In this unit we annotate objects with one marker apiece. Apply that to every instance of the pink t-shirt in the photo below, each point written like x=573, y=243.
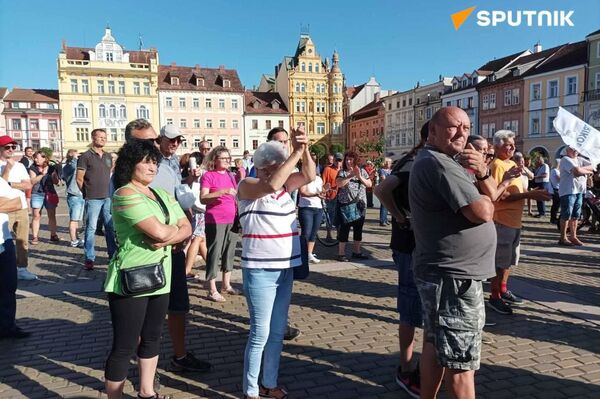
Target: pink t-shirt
x=222, y=210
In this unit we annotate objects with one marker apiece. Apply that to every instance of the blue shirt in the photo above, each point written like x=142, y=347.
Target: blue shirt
x=69, y=172
x=168, y=176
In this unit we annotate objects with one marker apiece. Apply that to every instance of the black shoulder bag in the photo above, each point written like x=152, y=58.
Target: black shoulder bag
x=144, y=279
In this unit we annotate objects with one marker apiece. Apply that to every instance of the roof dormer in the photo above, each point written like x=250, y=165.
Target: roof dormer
x=255, y=104
x=275, y=104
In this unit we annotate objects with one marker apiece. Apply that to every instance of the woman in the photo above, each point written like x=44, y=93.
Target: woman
x=43, y=195
x=384, y=172
x=310, y=213
x=144, y=238
x=270, y=251
x=240, y=171
x=75, y=200
x=217, y=191
x=352, y=183
x=198, y=241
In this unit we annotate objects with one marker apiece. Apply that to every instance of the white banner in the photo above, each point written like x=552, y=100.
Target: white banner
x=579, y=135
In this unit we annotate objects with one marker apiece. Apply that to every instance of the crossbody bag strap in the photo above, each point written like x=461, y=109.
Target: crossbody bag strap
x=164, y=209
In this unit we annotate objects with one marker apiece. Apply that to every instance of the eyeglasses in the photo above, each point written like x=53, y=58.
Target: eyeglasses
x=175, y=140
x=205, y=149
x=10, y=147
x=489, y=156
x=228, y=159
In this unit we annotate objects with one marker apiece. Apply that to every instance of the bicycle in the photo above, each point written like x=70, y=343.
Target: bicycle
x=322, y=236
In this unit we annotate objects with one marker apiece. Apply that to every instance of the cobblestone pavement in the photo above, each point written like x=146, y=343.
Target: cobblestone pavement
x=550, y=347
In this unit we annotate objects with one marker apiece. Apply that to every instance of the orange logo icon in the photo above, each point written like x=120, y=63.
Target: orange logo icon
x=458, y=18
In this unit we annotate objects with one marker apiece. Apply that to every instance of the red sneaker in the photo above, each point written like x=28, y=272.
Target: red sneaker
x=89, y=265
x=410, y=382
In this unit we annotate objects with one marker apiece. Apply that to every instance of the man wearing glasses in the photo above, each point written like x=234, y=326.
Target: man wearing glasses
x=17, y=177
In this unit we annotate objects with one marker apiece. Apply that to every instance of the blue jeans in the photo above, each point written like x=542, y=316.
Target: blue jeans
x=331, y=206
x=8, y=287
x=93, y=207
x=383, y=214
x=409, y=302
x=268, y=293
x=310, y=221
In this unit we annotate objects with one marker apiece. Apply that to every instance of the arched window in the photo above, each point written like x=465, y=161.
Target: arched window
x=143, y=112
x=112, y=111
x=102, y=111
x=317, y=67
x=303, y=67
x=81, y=111
x=297, y=87
x=123, y=112
x=310, y=67
x=302, y=87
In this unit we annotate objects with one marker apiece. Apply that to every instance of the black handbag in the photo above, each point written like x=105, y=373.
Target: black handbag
x=236, y=227
x=143, y=279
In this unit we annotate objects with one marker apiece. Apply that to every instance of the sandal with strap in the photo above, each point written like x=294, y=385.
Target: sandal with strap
x=216, y=297
x=230, y=290
x=275, y=393
x=156, y=396
x=35, y=241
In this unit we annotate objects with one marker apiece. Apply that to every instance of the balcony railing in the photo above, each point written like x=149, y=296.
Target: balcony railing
x=592, y=95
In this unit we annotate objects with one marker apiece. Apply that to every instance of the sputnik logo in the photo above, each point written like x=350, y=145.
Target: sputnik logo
x=459, y=18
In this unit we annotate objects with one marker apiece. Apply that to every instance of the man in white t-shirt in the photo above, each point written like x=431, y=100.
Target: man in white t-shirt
x=541, y=180
x=10, y=201
x=15, y=174
x=573, y=176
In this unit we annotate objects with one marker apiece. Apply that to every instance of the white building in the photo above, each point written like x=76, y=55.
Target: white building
x=399, y=123
x=263, y=112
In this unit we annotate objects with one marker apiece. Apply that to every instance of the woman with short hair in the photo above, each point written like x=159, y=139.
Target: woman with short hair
x=43, y=195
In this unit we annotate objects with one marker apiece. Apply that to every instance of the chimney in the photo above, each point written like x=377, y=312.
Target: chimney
x=197, y=66
x=537, y=48
x=173, y=64
x=221, y=68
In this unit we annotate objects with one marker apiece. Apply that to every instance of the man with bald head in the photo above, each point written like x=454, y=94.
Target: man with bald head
x=455, y=241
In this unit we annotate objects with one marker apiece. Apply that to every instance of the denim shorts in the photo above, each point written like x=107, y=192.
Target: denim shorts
x=409, y=302
x=38, y=201
x=508, y=246
x=454, y=316
x=76, y=206
x=179, y=299
x=570, y=206
x=199, y=225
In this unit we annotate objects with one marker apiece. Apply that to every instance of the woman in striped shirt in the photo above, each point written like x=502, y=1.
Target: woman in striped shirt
x=270, y=249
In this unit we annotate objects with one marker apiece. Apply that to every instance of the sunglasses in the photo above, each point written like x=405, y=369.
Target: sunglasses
x=10, y=147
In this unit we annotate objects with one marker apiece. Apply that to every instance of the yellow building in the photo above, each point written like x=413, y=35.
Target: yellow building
x=312, y=91
x=105, y=87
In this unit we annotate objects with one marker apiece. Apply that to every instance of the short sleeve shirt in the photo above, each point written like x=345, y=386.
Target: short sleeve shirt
x=355, y=189
x=508, y=213
x=447, y=243
x=17, y=174
x=97, y=168
x=45, y=185
x=127, y=211
x=222, y=210
x=168, y=175
x=68, y=174
x=544, y=169
x=569, y=183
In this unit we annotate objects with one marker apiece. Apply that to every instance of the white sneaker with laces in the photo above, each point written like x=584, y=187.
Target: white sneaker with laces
x=24, y=274
x=313, y=259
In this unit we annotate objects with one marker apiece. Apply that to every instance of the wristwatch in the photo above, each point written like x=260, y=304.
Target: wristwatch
x=487, y=175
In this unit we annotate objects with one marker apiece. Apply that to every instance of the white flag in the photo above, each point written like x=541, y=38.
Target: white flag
x=578, y=135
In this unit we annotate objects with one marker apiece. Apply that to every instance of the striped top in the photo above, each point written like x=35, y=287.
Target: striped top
x=270, y=238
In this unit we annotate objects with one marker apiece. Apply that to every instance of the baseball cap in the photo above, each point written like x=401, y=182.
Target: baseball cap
x=339, y=156
x=5, y=140
x=170, y=131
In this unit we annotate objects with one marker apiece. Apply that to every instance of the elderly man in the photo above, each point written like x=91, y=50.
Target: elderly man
x=541, y=180
x=508, y=215
x=455, y=241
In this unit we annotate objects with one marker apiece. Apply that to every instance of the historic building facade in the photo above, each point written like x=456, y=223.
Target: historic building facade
x=263, y=112
x=204, y=103
x=105, y=87
x=592, y=90
x=463, y=94
x=365, y=129
x=399, y=123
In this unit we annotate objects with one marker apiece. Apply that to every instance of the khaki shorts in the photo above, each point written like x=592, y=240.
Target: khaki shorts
x=508, y=247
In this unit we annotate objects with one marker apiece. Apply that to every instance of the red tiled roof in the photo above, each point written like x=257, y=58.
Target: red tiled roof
x=213, y=79
x=568, y=55
x=368, y=110
x=3, y=91
x=264, y=103
x=33, y=95
x=82, y=54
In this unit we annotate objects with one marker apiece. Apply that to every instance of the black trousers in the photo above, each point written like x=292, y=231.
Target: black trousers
x=555, y=206
x=357, y=230
x=137, y=323
x=8, y=287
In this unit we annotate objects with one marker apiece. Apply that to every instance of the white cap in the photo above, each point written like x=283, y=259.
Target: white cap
x=170, y=131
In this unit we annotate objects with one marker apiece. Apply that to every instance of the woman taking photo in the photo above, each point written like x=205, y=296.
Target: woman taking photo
x=147, y=223
x=43, y=195
x=310, y=213
x=217, y=191
x=352, y=183
x=270, y=251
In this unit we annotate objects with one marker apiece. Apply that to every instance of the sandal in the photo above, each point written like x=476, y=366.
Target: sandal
x=275, y=393
x=216, y=297
x=34, y=241
x=565, y=243
x=54, y=237
x=230, y=290
x=156, y=396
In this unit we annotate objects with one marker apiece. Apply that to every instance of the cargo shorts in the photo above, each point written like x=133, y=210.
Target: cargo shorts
x=454, y=316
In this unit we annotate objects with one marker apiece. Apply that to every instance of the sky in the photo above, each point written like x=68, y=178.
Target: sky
x=399, y=42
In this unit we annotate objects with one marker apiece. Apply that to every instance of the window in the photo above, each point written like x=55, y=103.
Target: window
x=507, y=97
x=195, y=103
x=182, y=102
x=459, y=103
x=297, y=87
x=235, y=124
x=317, y=67
x=196, y=123
x=303, y=67
x=223, y=142
x=226, y=83
x=310, y=67
x=112, y=111
x=168, y=102
x=136, y=88
x=111, y=87
x=409, y=102
x=320, y=128
x=221, y=103
x=122, y=112
x=302, y=87
x=82, y=134
x=100, y=87
x=16, y=124
x=209, y=124
x=550, y=125
x=74, y=85
x=81, y=112
x=121, y=87
x=536, y=91
x=109, y=57
x=571, y=85
x=184, y=143
x=254, y=144
x=143, y=112
x=515, y=96
x=85, y=86
x=429, y=113
x=53, y=125
x=208, y=103
x=234, y=104
x=268, y=124
x=492, y=101
x=515, y=126
x=492, y=129
x=485, y=128
x=485, y=102
x=146, y=88
x=209, y=141
x=102, y=111
x=254, y=124
x=183, y=123
x=506, y=125
x=222, y=124
x=553, y=88
x=470, y=102
x=34, y=124
x=236, y=143
x=169, y=121
x=280, y=123
x=302, y=106
x=114, y=135
x=598, y=81
x=535, y=126
x=197, y=142
x=174, y=80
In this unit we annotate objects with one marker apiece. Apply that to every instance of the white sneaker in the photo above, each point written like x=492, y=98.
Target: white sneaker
x=24, y=274
x=313, y=259
x=74, y=243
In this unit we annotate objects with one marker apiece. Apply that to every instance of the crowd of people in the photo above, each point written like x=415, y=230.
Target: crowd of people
x=456, y=203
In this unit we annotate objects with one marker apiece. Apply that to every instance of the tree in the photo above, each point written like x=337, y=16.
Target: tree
x=318, y=149
x=335, y=148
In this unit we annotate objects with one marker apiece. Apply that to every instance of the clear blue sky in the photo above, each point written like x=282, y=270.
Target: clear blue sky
x=399, y=42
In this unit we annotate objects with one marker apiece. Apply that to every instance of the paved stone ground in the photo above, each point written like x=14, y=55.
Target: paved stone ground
x=550, y=348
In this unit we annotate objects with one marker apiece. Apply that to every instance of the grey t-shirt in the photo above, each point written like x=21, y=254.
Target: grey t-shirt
x=354, y=189
x=168, y=176
x=447, y=243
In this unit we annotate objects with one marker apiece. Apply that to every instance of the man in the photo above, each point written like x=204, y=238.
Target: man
x=553, y=189
x=248, y=164
x=329, y=180
x=371, y=171
x=541, y=180
x=11, y=200
x=75, y=200
x=330, y=160
x=167, y=178
x=508, y=215
x=15, y=174
x=93, y=179
x=27, y=158
x=573, y=180
x=455, y=241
